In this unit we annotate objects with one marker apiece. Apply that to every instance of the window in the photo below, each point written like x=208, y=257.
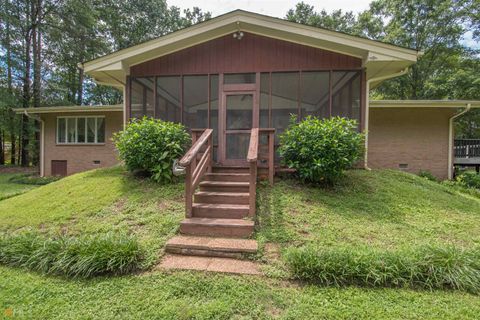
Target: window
x=315, y=96
x=346, y=94
x=168, y=99
x=195, y=101
x=79, y=130
x=142, y=97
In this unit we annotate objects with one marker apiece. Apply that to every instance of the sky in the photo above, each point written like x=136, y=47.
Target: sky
x=268, y=7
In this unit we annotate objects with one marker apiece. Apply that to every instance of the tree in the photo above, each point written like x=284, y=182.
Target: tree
x=446, y=70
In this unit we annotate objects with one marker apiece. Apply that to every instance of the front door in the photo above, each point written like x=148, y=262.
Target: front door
x=239, y=114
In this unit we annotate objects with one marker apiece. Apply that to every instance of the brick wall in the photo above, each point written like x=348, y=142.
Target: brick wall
x=81, y=157
x=416, y=137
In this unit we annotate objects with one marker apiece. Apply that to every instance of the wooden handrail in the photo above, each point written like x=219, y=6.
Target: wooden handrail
x=195, y=171
x=253, y=147
x=193, y=151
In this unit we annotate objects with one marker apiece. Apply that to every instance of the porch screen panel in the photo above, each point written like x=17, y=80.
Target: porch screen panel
x=315, y=94
x=142, y=102
x=284, y=97
x=214, y=112
x=346, y=89
x=264, y=100
x=168, y=106
x=195, y=102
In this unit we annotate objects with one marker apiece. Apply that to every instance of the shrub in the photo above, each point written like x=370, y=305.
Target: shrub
x=427, y=175
x=424, y=267
x=469, y=179
x=321, y=149
x=33, y=179
x=85, y=256
x=150, y=146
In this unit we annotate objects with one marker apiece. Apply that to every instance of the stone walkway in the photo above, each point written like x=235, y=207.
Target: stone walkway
x=212, y=264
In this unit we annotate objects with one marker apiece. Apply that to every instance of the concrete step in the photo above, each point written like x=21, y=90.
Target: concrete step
x=224, y=186
x=211, y=247
x=233, y=228
x=210, y=264
x=225, y=211
x=221, y=197
x=230, y=177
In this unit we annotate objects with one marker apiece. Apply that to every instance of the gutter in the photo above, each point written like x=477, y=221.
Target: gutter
x=42, y=142
x=367, y=108
x=450, y=138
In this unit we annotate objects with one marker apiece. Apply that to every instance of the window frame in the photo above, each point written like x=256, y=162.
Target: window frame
x=66, y=142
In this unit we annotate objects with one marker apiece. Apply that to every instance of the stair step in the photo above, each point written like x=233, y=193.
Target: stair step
x=211, y=247
x=227, y=211
x=217, y=227
x=209, y=264
x=219, y=186
x=221, y=197
x=230, y=177
x=231, y=169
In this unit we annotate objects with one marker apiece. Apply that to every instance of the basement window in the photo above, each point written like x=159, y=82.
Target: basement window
x=403, y=166
x=81, y=130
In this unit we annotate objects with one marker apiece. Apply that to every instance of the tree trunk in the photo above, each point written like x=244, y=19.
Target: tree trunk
x=80, y=87
x=26, y=91
x=13, y=151
x=2, y=147
x=37, y=48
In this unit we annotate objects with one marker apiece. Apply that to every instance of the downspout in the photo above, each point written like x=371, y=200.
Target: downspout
x=367, y=107
x=42, y=142
x=450, y=138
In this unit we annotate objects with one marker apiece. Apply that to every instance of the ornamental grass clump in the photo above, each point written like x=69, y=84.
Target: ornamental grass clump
x=77, y=257
x=320, y=150
x=150, y=146
x=425, y=267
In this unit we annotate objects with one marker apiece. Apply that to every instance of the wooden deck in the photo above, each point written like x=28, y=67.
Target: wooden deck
x=467, y=153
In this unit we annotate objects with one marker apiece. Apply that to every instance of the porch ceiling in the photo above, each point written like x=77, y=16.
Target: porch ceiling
x=379, y=59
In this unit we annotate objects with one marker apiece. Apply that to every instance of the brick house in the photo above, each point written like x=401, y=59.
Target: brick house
x=242, y=71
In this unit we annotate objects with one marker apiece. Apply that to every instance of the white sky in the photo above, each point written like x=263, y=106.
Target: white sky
x=268, y=7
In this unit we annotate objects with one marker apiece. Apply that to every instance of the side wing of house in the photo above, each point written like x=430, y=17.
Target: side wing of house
x=414, y=136
x=76, y=139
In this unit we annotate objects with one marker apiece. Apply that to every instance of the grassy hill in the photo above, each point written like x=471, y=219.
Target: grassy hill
x=379, y=209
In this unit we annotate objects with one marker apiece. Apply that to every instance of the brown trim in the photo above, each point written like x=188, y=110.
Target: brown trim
x=299, y=96
x=209, y=85
x=181, y=98
x=155, y=97
x=269, y=99
x=330, y=95
x=363, y=100
x=239, y=87
x=128, y=103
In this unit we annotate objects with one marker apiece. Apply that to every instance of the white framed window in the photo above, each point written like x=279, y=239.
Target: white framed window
x=81, y=130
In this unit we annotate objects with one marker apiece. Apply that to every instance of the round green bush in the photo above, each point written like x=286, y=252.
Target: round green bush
x=321, y=149
x=150, y=146
x=469, y=179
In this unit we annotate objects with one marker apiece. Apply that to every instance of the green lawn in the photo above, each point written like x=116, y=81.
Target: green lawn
x=9, y=189
x=383, y=209
x=184, y=295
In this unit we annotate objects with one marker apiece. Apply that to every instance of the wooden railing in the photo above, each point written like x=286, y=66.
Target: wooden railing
x=252, y=159
x=195, y=168
x=267, y=151
x=254, y=156
x=467, y=148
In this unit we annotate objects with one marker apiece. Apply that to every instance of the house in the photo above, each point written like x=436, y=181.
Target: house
x=241, y=71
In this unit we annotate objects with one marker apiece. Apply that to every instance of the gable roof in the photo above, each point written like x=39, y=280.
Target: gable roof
x=379, y=59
